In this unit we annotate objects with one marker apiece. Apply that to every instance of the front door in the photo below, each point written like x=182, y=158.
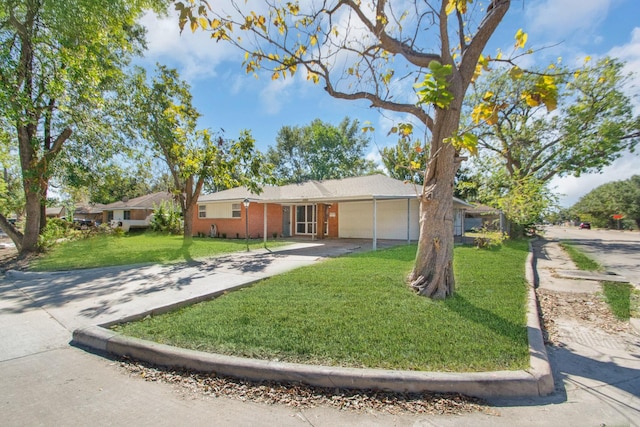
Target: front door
x=286, y=221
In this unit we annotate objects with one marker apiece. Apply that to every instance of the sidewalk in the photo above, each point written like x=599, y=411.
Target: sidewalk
x=44, y=381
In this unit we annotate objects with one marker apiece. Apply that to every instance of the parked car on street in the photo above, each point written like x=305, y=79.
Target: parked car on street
x=586, y=225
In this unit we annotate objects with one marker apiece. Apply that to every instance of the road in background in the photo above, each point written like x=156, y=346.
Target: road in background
x=617, y=251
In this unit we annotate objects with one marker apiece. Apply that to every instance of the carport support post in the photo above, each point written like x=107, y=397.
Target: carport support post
x=408, y=221
x=375, y=224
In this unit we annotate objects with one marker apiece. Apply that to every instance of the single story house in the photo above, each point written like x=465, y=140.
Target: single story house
x=479, y=216
x=88, y=212
x=370, y=207
x=55, y=212
x=134, y=213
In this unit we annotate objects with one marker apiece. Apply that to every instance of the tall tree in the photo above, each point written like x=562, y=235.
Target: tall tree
x=370, y=50
x=320, y=151
x=613, y=198
x=592, y=126
x=163, y=114
x=59, y=58
x=522, y=146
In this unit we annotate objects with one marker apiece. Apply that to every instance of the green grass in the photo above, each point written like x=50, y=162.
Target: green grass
x=357, y=311
x=102, y=251
x=618, y=296
x=582, y=261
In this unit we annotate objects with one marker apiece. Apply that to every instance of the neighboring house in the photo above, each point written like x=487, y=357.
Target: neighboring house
x=371, y=207
x=89, y=212
x=484, y=217
x=134, y=213
x=56, y=212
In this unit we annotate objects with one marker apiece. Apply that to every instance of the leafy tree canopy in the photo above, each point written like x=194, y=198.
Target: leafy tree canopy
x=524, y=143
x=613, y=198
x=591, y=127
x=320, y=151
x=61, y=62
x=165, y=120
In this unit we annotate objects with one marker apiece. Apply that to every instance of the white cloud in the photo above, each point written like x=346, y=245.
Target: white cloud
x=195, y=54
x=564, y=17
x=276, y=94
x=630, y=54
x=570, y=188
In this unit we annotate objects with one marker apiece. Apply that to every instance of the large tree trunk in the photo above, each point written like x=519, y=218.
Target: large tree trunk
x=432, y=275
x=188, y=222
x=31, y=184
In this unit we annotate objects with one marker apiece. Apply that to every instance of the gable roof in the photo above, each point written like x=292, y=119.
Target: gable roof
x=347, y=189
x=89, y=208
x=147, y=201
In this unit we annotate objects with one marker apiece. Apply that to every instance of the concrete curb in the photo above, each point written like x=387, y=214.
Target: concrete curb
x=536, y=381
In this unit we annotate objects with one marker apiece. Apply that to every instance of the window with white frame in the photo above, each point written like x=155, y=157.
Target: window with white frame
x=202, y=211
x=235, y=210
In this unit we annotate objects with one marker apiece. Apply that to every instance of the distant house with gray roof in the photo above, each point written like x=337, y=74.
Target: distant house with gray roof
x=370, y=207
x=134, y=213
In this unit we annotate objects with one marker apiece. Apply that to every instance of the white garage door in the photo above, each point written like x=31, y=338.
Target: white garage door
x=356, y=220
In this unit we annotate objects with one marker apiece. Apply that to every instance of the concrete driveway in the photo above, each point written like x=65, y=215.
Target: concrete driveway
x=44, y=381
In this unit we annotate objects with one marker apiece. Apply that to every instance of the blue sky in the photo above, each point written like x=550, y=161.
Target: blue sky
x=230, y=99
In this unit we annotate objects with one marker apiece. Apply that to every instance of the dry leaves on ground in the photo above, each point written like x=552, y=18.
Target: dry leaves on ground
x=588, y=309
x=303, y=396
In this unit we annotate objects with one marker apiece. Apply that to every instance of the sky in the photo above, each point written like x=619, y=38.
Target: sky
x=232, y=100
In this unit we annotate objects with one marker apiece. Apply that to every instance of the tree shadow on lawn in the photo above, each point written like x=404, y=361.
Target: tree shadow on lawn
x=460, y=305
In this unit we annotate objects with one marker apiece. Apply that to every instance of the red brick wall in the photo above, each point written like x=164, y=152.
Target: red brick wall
x=233, y=227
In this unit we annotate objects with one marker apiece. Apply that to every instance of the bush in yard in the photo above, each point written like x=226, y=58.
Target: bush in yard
x=166, y=218
x=56, y=229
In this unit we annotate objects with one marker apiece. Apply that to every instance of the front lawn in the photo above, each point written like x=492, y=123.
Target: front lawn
x=358, y=311
x=103, y=251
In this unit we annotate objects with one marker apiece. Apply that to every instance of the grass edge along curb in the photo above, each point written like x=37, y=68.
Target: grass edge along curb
x=537, y=380
x=586, y=263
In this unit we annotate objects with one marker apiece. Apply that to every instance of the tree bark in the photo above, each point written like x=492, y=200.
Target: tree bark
x=432, y=275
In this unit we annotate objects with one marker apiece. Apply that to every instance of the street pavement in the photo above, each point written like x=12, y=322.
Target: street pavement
x=45, y=381
x=618, y=251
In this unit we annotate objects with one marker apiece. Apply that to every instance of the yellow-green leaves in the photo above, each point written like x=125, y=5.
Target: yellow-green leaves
x=521, y=39
x=367, y=127
x=545, y=92
x=460, y=5
x=485, y=112
x=404, y=130
x=466, y=141
x=434, y=89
